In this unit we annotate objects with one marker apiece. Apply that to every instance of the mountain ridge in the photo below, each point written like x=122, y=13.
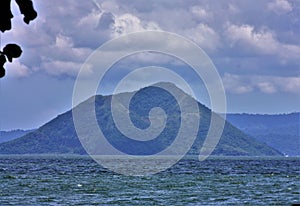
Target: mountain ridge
x=59, y=136
x=6, y=136
x=280, y=131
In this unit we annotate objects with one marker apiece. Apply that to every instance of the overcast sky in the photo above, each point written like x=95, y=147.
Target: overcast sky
x=255, y=46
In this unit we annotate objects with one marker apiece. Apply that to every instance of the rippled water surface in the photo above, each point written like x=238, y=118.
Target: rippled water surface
x=49, y=180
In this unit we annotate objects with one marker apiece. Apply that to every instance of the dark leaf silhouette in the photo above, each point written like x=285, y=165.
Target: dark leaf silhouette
x=2, y=62
x=5, y=15
x=2, y=72
x=12, y=51
x=26, y=8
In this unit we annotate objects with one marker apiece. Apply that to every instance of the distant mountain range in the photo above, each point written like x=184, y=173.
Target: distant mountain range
x=6, y=136
x=281, y=131
x=59, y=136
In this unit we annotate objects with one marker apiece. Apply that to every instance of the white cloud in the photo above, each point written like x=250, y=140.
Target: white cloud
x=33, y=36
x=280, y=6
x=234, y=84
x=16, y=69
x=200, y=12
x=262, y=38
x=128, y=23
x=90, y=21
x=267, y=87
x=239, y=84
x=63, y=41
x=64, y=49
x=263, y=41
x=204, y=35
x=291, y=84
x=70, y=35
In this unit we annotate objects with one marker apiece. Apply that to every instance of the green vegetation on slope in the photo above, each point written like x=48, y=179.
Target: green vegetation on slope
x=59, y=135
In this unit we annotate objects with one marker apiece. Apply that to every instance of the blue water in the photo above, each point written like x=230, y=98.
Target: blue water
x=75, y=180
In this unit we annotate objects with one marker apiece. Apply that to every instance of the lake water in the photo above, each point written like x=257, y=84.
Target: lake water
x=73, y=180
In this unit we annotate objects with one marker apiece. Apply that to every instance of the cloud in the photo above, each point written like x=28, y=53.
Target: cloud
x=204, y=36
x=52, y=39
x=267, y=87
x=261, y=41
x=16, y=69
x=70, y=35
x=234, y=84
x=111, y=6
x=240, y=84
x=128, y=23
x=254, y=45
x=62, y=57
x=63, y=41
x=200, y=13
x=106, y=21
x=280, y=6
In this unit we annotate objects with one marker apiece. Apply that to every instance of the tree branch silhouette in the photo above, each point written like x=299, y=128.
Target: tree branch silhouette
x=11, y=51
